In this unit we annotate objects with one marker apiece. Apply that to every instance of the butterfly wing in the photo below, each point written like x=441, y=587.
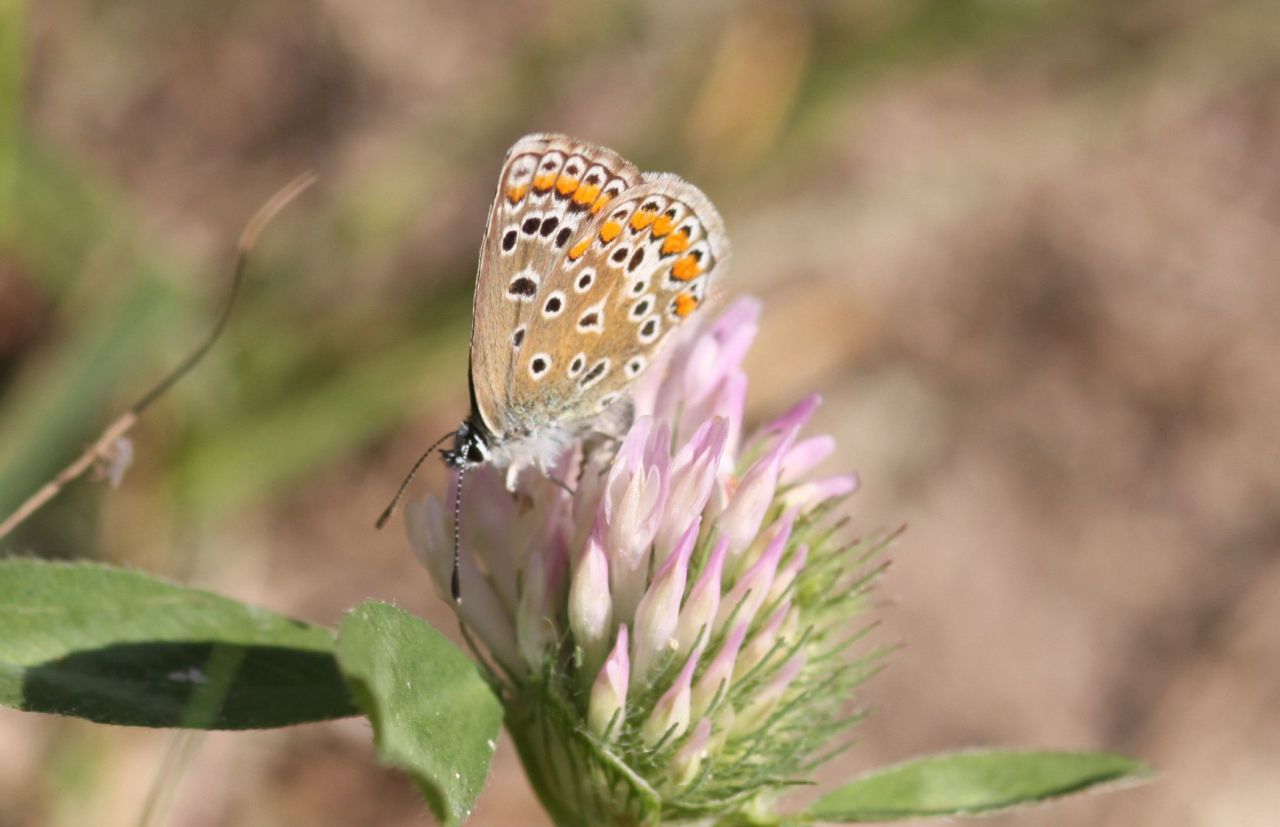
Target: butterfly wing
x=550, y=189
x=631, y=276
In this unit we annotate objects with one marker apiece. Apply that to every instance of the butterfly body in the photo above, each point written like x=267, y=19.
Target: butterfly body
x=586, y=268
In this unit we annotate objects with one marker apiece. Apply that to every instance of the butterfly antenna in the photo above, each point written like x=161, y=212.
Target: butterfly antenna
x=404, y=486
x=455, y=586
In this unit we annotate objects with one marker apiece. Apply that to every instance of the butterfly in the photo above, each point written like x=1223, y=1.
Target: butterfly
x=587, y=267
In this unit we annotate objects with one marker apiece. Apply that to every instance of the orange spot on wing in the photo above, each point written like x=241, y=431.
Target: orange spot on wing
x=676, y=243
x=610, y=231
x=686, y=303
x=600, y=202
x=564, y=186
x=686, y=268
x=515, y=194
x=642, y=219
x=662, y=226
x=586, y=194
x=579, y=249
x=543, y=182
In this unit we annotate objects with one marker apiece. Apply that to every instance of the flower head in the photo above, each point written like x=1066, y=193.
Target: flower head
x=668, y=621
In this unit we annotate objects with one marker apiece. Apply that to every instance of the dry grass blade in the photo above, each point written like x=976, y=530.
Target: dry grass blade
x=103, y=447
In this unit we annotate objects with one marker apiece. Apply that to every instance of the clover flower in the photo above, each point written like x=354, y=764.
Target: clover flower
x=668, y=624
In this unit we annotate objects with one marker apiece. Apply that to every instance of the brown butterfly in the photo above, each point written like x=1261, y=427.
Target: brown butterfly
x=586, y=268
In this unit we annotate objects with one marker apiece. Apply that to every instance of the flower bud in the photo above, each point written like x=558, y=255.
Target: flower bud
x=765, y=640
x=700, y=606
x=787, y=574
x=658, y=614
x=431, y=542
x=766, y=699
x=608, y=701
x=693, y=474
x=688, y=760
x=590, y=605
x=671, y=713
x=804, y=456
x=628, y=517
x=751, y=590
x=742, y=517
x=719, y=674
x=812, y=493
x=533, y=630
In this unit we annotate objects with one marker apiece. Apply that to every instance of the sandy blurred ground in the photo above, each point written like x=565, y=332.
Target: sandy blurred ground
x=1027, y=251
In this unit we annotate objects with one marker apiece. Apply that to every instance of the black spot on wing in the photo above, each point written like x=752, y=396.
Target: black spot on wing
x=523, y=286
x=597, y=370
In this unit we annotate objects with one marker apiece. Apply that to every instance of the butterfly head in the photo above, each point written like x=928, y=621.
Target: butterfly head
x=470, y=446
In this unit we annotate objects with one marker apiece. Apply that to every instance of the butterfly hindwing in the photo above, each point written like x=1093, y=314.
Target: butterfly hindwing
x=623, y=283
x=550, y=189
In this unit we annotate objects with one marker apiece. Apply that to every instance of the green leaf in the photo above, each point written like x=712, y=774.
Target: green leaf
x=971, y=782
x=121, y=647
x=433, y=714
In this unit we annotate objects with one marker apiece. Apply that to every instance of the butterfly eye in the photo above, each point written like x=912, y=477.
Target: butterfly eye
x=509, y=240
x=585, y=280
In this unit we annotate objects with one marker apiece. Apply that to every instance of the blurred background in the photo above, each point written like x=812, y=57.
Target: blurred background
x=1027, y=250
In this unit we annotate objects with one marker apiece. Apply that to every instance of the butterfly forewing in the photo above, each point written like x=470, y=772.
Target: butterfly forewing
x=623, y=283
x=551, y=188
